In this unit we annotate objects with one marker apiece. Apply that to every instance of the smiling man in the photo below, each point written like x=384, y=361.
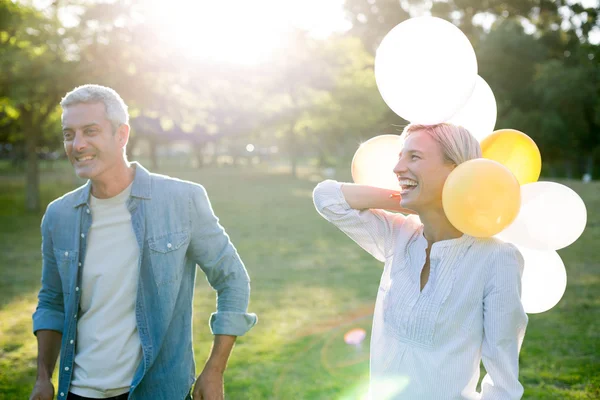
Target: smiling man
x=118, y=273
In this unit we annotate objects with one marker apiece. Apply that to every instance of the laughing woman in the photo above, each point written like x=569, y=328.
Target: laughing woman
x=446, y=301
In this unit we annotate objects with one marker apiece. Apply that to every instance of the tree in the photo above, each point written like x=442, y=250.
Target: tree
x=297, y=78
x=36, y=73
x=352, y=110
x=569, y=97
x=373, y=19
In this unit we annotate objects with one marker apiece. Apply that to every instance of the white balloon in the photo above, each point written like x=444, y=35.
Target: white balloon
x=539, y=224
x=479, y=114
x=425, y=69
x=544, y=280
x=374, y=161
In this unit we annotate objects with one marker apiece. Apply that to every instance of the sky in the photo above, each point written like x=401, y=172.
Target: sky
x=248, y=32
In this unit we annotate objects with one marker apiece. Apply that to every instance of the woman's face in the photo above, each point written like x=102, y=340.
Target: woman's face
x=421, y=171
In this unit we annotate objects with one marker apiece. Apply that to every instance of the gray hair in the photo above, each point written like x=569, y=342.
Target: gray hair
x=116, y=109
x=456, y=142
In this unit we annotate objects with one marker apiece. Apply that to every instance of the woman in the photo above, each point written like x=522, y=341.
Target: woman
x=446, y=300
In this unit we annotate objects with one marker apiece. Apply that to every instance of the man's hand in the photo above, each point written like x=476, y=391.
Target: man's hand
x=43, y=390
x=209, y=385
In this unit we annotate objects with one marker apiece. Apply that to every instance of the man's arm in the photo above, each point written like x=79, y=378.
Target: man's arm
x=209, y=385
x=48, y=350
x=219, y=354
x=212, y=250
x=48, y=318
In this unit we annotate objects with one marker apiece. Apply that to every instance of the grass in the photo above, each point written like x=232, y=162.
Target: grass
x=310, y=285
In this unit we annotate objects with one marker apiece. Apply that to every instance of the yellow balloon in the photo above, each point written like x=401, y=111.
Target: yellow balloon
x=481, y=197
x=516, y=151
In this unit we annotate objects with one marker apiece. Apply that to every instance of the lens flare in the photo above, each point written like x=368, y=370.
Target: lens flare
x=355, y=336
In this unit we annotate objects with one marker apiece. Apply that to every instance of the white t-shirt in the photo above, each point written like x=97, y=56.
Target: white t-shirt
x=429, y=344
x=108, y=349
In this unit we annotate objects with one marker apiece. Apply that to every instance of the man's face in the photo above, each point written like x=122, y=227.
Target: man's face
x=90, y=143
x=422, y=172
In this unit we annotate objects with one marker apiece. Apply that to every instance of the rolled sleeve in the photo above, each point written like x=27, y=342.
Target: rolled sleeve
x=505, y=322
x=49, y=313
x=231, y=323
x=212, y=250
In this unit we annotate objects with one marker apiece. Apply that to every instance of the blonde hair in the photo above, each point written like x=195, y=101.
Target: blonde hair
x=456, y=142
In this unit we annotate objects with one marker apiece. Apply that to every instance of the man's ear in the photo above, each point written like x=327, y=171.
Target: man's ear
x=123, y=134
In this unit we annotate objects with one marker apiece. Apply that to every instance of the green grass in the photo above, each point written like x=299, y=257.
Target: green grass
x=310, y=285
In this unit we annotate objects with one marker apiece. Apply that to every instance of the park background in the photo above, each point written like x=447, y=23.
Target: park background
x=260, y=100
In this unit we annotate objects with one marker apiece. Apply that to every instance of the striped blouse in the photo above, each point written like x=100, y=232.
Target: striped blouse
x=429, y=344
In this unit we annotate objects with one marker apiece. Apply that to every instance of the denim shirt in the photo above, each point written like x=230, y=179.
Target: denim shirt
x=176, y=230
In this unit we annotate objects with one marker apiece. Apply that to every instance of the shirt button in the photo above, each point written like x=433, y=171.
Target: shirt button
x=77, y=289
x=80, y=264
x=62, y=394
x=75, y=316
x=87, y=211
x=66, y=368
x=71, y=341
x=82, y=235
x=169, y=245
x=66, y=253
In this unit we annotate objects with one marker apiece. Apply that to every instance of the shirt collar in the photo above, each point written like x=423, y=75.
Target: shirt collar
x=141, y=187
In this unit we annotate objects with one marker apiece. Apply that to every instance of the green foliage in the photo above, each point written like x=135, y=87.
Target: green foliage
x=314, y=96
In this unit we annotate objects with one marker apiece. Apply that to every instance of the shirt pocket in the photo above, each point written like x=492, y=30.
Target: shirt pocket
x=167, y=256
x=66, y=264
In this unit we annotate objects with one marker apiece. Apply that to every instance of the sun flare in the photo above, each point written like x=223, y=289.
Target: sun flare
x=238, y=31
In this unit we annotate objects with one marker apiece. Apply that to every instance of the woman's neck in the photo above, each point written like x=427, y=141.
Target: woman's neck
x=436, y=226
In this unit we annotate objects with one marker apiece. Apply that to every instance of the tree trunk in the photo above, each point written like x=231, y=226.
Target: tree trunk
x=199, y=153
x=293, y=151
x=569, y=168
x=589, y=168
x=32, y=185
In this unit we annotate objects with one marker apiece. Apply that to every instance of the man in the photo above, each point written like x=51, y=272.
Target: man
x=119, y=266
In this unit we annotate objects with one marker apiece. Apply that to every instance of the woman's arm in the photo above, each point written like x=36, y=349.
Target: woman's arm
x=362, y=197
x=371, y=229
x=504, y=323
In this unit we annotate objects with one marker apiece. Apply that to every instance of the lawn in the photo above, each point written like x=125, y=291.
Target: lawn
x=310, y=285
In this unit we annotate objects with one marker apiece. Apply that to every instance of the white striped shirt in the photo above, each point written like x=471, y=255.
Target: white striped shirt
x=429, y=344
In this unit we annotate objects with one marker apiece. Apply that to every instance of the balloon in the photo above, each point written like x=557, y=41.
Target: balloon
x=478, y=115
x=425, y=69
x=544, y=280
x=539, y=225
x=481, y=197
x=516, y=151
x=374, y=161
